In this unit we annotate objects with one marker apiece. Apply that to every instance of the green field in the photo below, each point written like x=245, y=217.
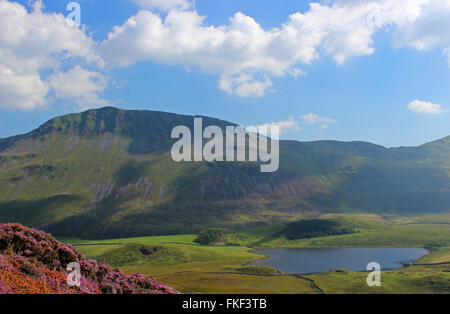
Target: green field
x=191, y=268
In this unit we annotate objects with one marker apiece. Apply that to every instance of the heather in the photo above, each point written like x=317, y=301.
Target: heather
x=32, y=261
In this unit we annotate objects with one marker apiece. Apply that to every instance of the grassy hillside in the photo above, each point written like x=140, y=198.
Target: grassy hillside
x=108, y=173
x=191, y=268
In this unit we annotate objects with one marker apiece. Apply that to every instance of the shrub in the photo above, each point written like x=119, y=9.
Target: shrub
x=315, y=228
x=32, y=261
x=212, y=236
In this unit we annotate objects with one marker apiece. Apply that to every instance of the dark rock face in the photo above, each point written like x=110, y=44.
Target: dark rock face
x=108, y=173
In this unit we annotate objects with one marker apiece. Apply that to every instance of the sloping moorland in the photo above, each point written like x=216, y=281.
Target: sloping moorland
x=193, y=268
x=108, y=173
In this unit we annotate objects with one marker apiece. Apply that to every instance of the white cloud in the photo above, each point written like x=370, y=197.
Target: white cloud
x=296, y=73
x=183, y=38
x=243, y=54
x=420, y=24
x=164, y=5
x=283, y=126
x=293, y=124
x=447, y=53
x=429, y=30
x=340, y=29
x=21, y=91
x=36, y=37
x=80, y=86
x=425, y=107
x=243, y=46
x=245, y=85
x=312, y=118
x=32, y=43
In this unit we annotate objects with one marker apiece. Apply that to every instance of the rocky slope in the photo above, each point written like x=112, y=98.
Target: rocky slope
x=108, y=173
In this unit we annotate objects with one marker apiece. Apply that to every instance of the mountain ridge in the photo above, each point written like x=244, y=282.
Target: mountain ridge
x=108, y=172
x=47, y=125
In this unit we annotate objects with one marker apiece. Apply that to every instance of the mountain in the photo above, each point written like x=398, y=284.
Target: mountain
x=108, y=173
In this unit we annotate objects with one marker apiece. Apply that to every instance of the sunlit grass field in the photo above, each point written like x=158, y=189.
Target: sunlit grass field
x=191, y=268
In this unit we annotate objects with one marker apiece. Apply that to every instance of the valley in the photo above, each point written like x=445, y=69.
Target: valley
x=108, y=173
x=104, y=181
x=191, y=268
x=190, y=148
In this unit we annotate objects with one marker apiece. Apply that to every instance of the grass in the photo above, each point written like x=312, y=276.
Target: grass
x=409, y=280
x=441, y=256
x=196, y=269
x=255, y=270
x=373, y=231
x=386, y=237
x=202, y=283
x=191, y=268
x=172, y=258
x=419, y=278
x=183, y=239
x=87, y=175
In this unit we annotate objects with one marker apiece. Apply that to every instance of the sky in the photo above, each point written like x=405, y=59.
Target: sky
x=348, y=70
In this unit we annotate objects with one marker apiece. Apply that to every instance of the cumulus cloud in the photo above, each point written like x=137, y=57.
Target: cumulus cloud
x=430, y=29
x=242, y=54
x=32, y=43
x=245, y=85
x=297, y=73
x=24, y=91
x=312, y=118
x=426, y=107
x=283, y=126
x=36, y=37
x=342, y=29
x=164, y=5
x=79, y=86
x=293, y=123
x=243, y=46
x=420, y=24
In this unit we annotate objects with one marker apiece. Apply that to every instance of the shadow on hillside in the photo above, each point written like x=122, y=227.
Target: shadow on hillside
x=33, y=212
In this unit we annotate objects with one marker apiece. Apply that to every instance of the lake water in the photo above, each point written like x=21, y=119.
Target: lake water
x=311, y=261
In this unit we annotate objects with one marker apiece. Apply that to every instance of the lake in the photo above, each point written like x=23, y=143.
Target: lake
x=311, y=261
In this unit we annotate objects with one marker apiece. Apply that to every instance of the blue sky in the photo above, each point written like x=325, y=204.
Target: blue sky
x=385, y=82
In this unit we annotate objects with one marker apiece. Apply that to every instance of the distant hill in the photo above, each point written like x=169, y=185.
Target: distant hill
x=108, y=173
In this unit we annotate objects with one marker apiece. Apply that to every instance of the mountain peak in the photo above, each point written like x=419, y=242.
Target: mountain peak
x=112, y=168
